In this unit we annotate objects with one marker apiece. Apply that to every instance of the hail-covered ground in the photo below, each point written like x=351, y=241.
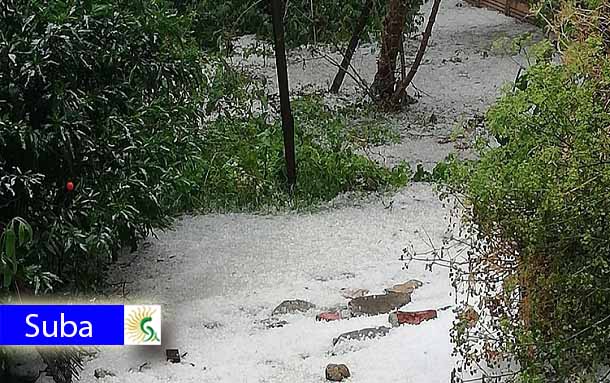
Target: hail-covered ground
x=219, y=277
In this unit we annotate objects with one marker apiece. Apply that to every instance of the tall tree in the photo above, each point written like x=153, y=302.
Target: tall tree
x=391, y=39
x=388, y=90
x=282, y=79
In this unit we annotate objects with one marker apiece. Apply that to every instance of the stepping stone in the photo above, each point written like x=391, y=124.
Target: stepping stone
x=405, y=288
x=367, y=333
x=353, y=293
x=378, y=304
x=293, y=306
x=414, y=317
x=337, y=372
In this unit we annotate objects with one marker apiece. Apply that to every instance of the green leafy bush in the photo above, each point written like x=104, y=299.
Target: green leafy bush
x=546, y=11
x=215, y=24
x=538, y=216
x=115, y=100
x=111, y=123
x=105, y=95
x=242, y=164
x=15, y=242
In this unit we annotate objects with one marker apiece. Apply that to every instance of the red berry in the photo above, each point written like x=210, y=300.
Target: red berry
x=69, y=186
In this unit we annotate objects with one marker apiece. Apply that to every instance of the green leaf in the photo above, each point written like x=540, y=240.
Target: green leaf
x=10, y=247
x=25, y=233
x=8, y=277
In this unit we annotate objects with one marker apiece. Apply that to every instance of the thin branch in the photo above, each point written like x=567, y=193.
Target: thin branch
x=356, y=77
x=313, y=17
x=420, y=52
x=353, y=44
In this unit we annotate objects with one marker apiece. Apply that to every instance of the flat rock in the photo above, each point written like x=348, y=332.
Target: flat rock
x=378, y=304
x=353, y=293
x=337, y=372
x=367, y=333
x=405, y=288
x=293, y=306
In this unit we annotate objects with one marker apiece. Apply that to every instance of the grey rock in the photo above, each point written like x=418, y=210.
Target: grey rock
x=273, y=323
x=293, y=306
x=367, y=333
x=212, y=325
x=378, y=304
x=347, y=275
x=101, y=373
x=337, y=372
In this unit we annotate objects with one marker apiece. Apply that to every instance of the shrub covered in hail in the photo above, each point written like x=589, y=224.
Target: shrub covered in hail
x=112, y=122
x=539, y=211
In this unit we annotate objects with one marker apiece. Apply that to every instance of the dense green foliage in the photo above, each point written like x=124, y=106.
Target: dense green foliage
x=547, y=10
x=241, y=165
x=113, y=121
x=539, y=211
x=116, y=99
x=216, y=23
x=104, y=95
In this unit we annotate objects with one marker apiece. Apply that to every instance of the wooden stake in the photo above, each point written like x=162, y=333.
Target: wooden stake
x=282, y=79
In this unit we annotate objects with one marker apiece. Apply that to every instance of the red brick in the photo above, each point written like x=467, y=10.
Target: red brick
x=414, y=317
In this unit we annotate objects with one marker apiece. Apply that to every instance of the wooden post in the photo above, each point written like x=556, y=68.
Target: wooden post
x=282, y=79
x=351, y=48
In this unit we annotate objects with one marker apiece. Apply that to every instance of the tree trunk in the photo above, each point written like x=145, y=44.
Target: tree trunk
x=282, y=79
x=393, y=26
x=347, y=58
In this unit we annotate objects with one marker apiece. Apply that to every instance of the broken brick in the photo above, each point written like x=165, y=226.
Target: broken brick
x=414, y=317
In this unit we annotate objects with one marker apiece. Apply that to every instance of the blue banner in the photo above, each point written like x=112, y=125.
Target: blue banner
x=62, y=325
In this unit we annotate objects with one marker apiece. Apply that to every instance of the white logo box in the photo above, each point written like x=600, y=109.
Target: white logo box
x=142, y=325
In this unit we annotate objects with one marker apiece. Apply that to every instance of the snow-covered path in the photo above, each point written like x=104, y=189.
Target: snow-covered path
x=220, y=276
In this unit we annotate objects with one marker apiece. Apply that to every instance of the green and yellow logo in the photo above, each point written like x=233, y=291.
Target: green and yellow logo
x=142, y=325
